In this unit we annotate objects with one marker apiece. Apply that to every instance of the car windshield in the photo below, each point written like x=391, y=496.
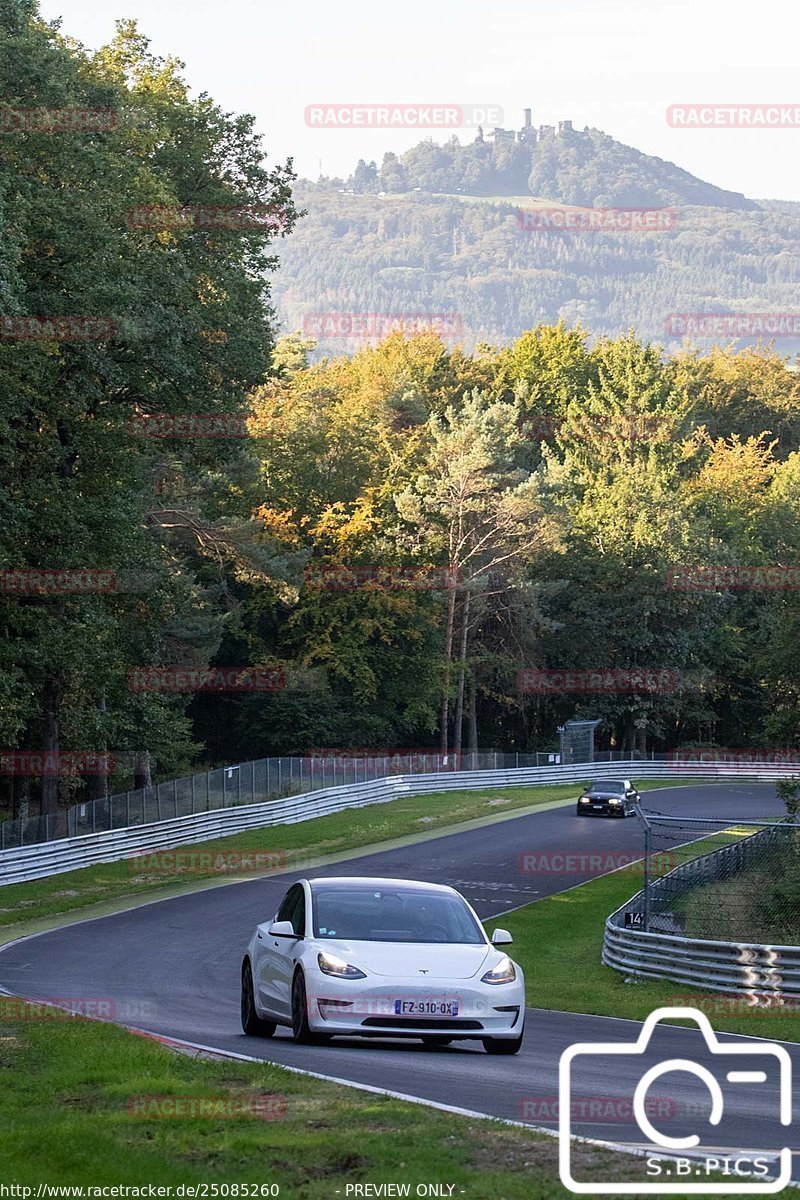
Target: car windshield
x=609, y=785
x=374, y=914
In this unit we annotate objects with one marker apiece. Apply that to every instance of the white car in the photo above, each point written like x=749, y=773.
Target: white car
x=381, y=958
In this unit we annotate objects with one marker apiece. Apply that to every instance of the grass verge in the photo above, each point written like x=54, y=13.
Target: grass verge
x=558, y=944
x=289, y=845
x=107, y=1100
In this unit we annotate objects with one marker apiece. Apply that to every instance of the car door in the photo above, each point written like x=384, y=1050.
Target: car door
x=278, y=954
x=276, y=960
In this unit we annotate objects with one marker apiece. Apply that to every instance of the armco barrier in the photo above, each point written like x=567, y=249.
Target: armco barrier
x=745, y=968
x=67, y=854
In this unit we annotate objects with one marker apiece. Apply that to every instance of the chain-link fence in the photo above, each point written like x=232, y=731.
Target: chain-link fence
x=721, y=880
x=250, y=782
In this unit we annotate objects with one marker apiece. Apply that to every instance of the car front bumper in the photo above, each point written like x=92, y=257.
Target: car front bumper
x=368, y=1008
x=601, y=808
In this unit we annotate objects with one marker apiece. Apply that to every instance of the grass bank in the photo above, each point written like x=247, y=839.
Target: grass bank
x=121, y=1109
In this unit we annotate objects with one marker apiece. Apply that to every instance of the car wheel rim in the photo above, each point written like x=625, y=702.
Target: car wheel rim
x=247, y=995
x=299, y=1005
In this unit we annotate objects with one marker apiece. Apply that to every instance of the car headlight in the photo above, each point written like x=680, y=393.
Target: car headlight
x=329, y=964
x=503, y=973
x=584, y=799
x=615, y=802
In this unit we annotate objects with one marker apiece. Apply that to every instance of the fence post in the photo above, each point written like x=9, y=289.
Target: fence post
x=252, y=780
x=127, y=808
x=192, y=801
x=646, y=889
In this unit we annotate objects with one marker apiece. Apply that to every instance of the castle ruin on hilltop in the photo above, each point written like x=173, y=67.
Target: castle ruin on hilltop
x=528, y=132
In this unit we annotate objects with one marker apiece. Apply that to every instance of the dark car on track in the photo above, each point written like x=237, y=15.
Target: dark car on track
x=608, y=798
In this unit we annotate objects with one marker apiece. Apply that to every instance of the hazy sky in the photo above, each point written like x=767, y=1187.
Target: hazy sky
x=613, y=64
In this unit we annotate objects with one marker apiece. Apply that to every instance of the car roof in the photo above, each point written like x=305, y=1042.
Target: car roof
x=334, y=881
x=599, y=783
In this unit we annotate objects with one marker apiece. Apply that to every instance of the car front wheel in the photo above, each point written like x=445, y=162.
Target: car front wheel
x=252, y=1023
x=503, y=1045
x=301, y=1030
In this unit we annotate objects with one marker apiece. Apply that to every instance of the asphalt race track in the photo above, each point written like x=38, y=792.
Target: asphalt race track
x=172, y=968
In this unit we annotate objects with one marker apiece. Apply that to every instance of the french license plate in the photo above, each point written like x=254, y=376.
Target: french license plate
x=426, y=1008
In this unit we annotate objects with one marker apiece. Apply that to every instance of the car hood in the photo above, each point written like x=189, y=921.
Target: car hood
x=408, y=960
x=604, y=795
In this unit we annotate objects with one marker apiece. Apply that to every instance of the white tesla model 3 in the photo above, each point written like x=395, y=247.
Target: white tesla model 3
x=381, y=958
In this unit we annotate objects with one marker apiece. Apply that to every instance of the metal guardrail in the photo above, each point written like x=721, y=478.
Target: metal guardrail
x=747, y=968
x=250, y=782
x=67, y=854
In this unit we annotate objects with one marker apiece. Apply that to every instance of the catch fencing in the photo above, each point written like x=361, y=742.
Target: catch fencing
x=66, y=854
x=250, y=782
x=720, y=908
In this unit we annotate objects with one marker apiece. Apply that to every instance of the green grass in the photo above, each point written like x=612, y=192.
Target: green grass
x=66, y=1112
x=558, y=944
x=292, y=845
x=759, y=904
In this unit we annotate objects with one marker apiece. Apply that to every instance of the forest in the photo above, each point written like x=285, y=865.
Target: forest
x=219, y=543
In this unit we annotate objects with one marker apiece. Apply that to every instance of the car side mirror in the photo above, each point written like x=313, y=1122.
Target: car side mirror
x=282, y=929
x=501, y=937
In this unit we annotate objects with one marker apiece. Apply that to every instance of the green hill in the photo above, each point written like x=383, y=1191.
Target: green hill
x=587, y=168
